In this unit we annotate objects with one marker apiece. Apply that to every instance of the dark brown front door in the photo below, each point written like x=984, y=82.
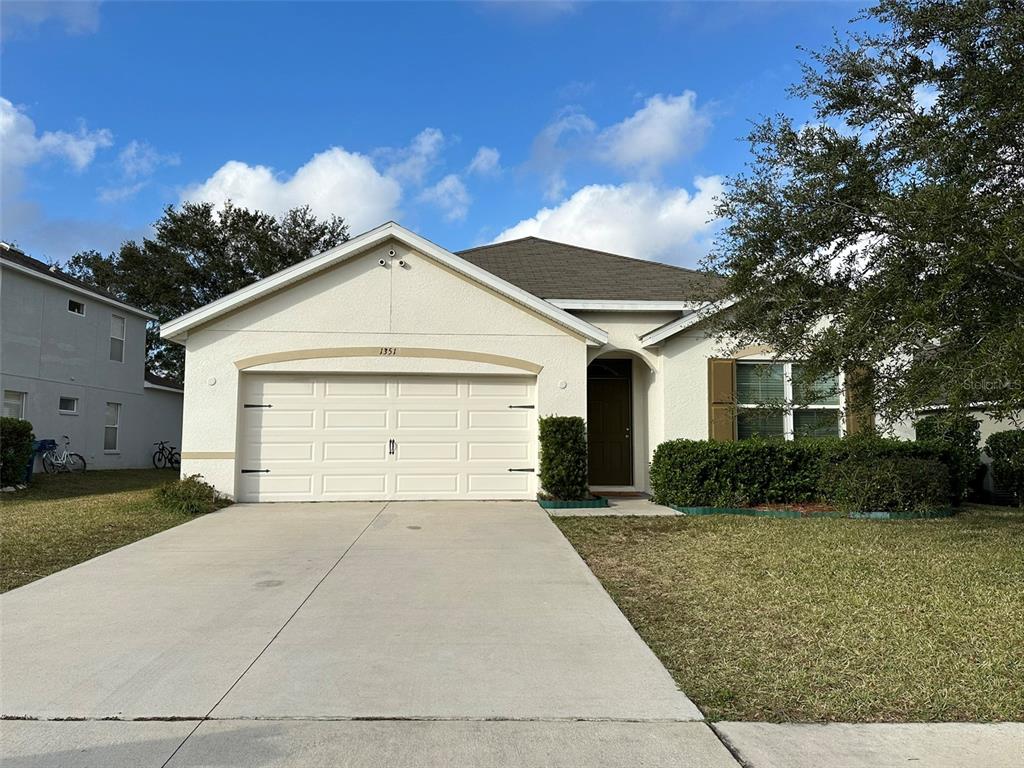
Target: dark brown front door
x=609, y=422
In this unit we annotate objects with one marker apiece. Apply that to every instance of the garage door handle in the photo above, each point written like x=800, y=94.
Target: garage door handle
x=520, y=469
x=522, y=406
x=391, y=446
x=255, y=471
x=254, y=405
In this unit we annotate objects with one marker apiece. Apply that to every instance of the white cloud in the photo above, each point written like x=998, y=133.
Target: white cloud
x=450, y=195
x=925, y=97
x=139, y=159
x=412, y=163
x=332, y=182
x=664, y=129
x=558, y=143
x=120, y=193
x=635, y=219
x=486, y=161
x=22, y=147
x=77, y=17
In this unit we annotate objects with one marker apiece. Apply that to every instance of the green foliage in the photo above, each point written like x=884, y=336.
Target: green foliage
x=704, y=473
x=199, y=254
x=961, y=434
x=903, y=484
x=885, y=230
x=701, y=473
x=1007, y=452
x=190, y=495
x=15, y=449
x=563, y=457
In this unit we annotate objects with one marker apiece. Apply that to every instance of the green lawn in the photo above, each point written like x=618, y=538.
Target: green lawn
x=825, y=620
x=61, y=520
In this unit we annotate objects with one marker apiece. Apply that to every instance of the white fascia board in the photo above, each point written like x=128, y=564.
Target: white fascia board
x=80, y=291
x=176, y=329
x=147, y=385
x=611, y=305
x=658, y=335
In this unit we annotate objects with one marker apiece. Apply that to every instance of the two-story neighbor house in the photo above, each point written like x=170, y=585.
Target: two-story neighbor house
x=73, y=362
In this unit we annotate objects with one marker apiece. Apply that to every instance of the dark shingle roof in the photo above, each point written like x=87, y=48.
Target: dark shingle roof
x=553, y=270
x=17, y=256
x=162, y=381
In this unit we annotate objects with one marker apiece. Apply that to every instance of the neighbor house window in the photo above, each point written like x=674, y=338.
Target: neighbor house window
x=111, y=425
x=117, y=338
x=778, y=400
x=67, y=405
x=76, y=307
x=14, y=404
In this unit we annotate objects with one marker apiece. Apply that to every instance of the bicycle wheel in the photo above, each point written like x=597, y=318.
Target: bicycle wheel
x=75, y=463
x=48, y=466
x=159, y=460
x=175, y=460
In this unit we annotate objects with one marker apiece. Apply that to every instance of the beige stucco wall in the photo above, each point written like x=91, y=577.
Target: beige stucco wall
x=361, y=304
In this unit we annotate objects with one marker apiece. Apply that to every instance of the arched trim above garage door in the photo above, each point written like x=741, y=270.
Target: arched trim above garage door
x=421, y=352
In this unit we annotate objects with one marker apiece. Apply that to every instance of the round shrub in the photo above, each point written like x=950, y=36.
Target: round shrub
x=897, y=484
x=190, y=495
x=563, y=457
x=1007, y=452
x=15, y=450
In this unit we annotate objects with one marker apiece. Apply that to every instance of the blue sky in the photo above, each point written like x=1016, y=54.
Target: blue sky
x=609, y=125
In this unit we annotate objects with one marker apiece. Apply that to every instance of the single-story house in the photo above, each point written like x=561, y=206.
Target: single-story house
x=391, y=368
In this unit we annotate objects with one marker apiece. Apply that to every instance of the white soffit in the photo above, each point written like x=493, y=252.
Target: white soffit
x=177, y=329
x=658, y=335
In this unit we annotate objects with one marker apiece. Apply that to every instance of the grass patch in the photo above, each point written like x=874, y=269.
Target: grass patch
x=61, y=520
x=825, y=620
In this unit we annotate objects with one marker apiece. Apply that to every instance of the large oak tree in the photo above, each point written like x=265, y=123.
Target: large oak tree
x=887, y=231
x=199, y=253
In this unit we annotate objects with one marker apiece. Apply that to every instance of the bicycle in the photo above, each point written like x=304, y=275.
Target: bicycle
x=166, y=456
x=63, y=460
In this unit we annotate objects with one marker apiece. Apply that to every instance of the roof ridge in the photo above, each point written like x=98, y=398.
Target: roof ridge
x=588, y=249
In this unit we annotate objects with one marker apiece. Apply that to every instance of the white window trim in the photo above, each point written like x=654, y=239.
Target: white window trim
x=72, y=312
x=24, y=401
x=124, y=334
x=64, y=411
x=788, y=429
x=117, y=434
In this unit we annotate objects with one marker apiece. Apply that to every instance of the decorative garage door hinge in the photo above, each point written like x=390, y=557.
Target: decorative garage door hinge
x=520, y=469
x=255, y=471
x=256, y=405
x=522, y=406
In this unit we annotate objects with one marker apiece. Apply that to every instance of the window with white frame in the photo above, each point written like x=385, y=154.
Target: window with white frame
x=67, y=404
x=779, y=400
x=117, y=338
x=76, y=307
x=111, y=425
x=14, y=404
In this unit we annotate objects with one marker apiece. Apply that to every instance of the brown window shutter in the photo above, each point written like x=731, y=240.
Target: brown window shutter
x=722, y=399
x=859, y=415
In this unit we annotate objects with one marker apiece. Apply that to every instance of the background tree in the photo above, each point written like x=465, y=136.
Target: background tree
x=887, y=232
x=198, y=254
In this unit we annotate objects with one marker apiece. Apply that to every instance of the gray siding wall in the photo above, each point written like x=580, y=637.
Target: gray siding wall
x=48, y=353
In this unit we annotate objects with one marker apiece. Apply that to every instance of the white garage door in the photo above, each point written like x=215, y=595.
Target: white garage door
x=307, y=438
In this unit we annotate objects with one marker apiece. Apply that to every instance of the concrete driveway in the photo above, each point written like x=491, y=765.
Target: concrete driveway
x=463, y=633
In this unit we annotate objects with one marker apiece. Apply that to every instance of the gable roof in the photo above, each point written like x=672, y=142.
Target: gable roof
x=556, y=271
x=16, y=258
x=177, y=329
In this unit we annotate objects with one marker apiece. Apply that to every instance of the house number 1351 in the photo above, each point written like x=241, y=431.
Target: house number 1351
x=388, y=351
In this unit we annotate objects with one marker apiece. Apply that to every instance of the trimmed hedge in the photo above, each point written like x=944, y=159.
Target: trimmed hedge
x=563, y=457
x=962, y=435
x=903, y=485
x=701, y=473
x=1007, y=452
x=15, y=449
